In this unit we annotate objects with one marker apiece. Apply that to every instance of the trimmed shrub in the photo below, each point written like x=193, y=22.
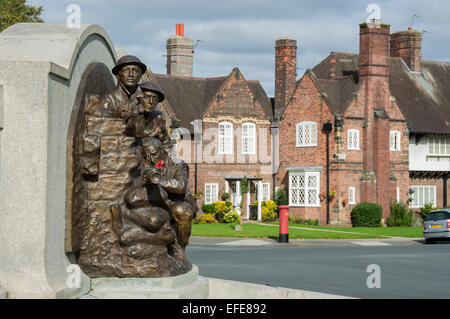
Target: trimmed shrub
x=268, y=210
x=366, y=215
x=208, y=208
x=267, y=215
x=225, y=196
x=205, y=219
x=281, y=197
x=221, y=208
x=232, y=217
x=400, y=215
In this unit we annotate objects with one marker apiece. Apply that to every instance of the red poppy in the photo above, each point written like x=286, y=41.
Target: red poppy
x=160, y=164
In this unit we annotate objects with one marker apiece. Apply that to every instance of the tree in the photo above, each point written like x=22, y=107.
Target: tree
x=16, y=11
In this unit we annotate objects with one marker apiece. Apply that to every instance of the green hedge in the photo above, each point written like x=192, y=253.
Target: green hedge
x=366, y=215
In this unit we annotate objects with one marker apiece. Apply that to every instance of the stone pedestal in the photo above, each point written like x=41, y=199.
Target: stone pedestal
x=3, y=294
x=186, y=286
x=42, y=67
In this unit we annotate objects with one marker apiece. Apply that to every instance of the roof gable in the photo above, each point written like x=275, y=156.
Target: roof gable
x=238, y=97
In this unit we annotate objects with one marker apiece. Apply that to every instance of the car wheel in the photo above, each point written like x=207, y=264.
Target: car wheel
x=430, y=241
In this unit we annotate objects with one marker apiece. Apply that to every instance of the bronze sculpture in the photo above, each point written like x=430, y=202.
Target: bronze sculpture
x=133, y=210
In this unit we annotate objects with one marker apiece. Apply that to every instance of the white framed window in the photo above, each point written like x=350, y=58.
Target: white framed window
x=353, y=139
x=422, y=195
x=211, y=193
x=248, y=138
x=265, y=191
x=351, y=195
x=304, y=189
x=438, y=145
x=306, y=134
x=397, y=190
x=225, y=138
x=394, y=140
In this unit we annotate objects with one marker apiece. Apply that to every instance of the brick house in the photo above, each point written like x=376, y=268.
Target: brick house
x=222, y=125
x=421, y=89
x=378, y=102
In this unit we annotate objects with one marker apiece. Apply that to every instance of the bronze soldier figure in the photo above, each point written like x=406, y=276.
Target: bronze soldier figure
x=120, y=102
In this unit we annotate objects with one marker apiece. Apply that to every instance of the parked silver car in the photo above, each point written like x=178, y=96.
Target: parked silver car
x=437, y=225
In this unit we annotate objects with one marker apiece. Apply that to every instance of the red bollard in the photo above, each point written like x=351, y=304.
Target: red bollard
x=284, y=224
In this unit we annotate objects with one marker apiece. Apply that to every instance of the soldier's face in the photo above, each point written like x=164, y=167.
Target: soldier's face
x=152, y=153
x=149, y=101
x=130, y=75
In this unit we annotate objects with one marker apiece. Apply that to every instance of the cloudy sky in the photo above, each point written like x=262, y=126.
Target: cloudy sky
x=242, y=33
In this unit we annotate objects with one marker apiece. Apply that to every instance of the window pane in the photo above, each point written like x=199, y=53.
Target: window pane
x=301, y=196
x=312, y=181
x=312, y=197
x=432, y=190
x=430, y=145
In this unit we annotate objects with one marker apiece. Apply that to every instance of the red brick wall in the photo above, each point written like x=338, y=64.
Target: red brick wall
x=407, y=45
x=237, y=106
x=307, y=106
x=285, y=70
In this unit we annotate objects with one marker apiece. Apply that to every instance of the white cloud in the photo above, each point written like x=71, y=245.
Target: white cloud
x=243, y=33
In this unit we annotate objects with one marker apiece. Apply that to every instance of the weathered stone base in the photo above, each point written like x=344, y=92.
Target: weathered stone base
x=192, y=286
x=3, y=293
x=186, y=286
x=229, y=289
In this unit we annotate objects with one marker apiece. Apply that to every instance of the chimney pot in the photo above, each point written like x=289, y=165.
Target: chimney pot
x=180, y=30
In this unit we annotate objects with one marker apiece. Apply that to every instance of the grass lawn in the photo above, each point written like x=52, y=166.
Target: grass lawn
x=416, y=231
x=261, y=231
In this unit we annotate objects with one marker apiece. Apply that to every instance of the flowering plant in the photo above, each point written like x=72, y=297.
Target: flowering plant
x=332, y=193
x=160, y=164
x=411, y=191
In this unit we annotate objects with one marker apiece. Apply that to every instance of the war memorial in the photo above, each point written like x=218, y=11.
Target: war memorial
x=92, y=203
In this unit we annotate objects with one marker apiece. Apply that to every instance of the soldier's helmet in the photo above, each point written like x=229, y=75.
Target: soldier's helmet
x=128, y=60
x=152, y=86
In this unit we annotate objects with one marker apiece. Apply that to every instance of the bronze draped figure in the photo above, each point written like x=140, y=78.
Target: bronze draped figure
x=134, y=210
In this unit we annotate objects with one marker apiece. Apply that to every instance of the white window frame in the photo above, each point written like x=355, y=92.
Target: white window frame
x=438, y=145
x=211, y=195
x=265, y=191
x=351, y=195
x=306, y=189
x=249, y=136
x=355, y=134
x=225, y=138
x=395, y=141
x=397, y=190
x=419, y=200
x=302, y=129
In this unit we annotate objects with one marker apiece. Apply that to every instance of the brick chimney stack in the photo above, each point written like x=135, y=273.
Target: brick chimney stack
x=407, y=45
x=376, y=186
x=285, y=70
x=180, y=53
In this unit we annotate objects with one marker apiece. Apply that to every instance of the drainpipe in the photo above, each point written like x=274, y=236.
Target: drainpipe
x=445, y=189
x=327, y=127
x=197, y=124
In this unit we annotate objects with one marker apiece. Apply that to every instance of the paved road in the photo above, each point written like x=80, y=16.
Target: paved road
x=409, y=269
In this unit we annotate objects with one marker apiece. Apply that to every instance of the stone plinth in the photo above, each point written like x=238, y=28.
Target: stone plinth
x=42, y=67
x=186, y=286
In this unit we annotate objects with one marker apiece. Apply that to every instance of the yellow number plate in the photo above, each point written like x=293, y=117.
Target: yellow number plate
x=436, y=226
